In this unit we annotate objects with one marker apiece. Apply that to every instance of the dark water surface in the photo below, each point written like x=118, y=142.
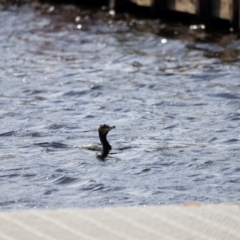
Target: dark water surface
x=175, y=103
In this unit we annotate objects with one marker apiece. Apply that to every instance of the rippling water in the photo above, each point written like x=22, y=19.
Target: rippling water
x=175, y=103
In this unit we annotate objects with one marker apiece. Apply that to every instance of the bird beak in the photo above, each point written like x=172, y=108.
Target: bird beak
x=110, y=128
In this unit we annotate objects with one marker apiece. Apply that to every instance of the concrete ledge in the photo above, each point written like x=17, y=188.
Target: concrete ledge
x=205, y=11
x=192, y=221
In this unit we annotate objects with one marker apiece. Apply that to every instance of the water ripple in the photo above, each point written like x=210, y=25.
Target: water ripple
x=175, y=104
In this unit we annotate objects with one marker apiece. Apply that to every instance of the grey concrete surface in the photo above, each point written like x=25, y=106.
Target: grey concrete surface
x=173, y=222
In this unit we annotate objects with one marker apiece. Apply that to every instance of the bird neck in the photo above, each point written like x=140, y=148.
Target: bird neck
x=106, y=146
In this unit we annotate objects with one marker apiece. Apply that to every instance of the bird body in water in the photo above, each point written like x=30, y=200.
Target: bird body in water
x=103, y=130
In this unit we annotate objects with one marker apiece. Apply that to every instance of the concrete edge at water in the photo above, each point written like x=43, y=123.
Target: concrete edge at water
x=180, y=221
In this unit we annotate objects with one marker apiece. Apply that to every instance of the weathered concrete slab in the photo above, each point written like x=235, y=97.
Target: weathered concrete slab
x=144, y=3
x=175, y=222
x=223, y=9
x=187, y=6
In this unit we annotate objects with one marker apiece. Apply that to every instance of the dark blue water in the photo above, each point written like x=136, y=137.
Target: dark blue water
x=175, y=103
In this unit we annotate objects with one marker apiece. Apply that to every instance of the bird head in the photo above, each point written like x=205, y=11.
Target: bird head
x=104, y=129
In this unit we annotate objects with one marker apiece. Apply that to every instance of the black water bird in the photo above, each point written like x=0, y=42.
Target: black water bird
x=103, y=130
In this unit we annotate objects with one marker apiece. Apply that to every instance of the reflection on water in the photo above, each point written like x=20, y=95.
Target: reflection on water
x=174, y=100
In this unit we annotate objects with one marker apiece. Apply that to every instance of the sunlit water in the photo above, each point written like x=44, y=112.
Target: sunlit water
x=64, y=71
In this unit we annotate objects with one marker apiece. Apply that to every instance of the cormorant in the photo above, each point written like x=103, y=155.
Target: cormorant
x=106, y=147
